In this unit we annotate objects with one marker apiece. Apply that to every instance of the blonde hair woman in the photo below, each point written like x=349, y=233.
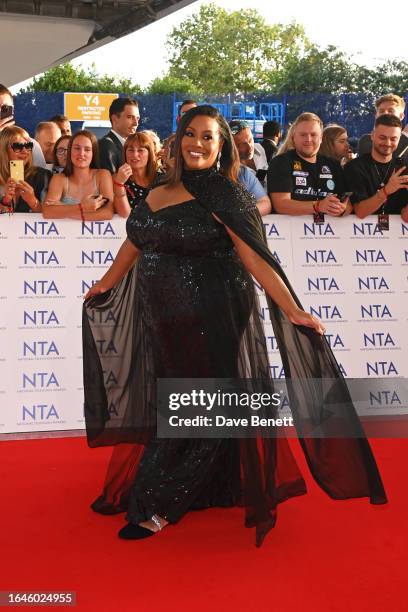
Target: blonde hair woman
x=25, y=195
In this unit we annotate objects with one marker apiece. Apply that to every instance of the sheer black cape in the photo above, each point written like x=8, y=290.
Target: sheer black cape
x=340, y=459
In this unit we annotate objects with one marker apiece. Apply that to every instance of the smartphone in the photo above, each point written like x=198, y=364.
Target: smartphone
x=17, y=169
x=345, y=195
x=399, y=162
x=6, y=111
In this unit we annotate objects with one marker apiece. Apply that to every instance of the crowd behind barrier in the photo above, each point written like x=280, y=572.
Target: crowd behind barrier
x=347, y=272
x=352, y=111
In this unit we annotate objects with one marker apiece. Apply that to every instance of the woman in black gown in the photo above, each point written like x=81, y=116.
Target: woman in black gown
x=179, y=302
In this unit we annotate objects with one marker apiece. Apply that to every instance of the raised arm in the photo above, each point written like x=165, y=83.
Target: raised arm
x=124, y=260
x=370, y=205
x=121, y=202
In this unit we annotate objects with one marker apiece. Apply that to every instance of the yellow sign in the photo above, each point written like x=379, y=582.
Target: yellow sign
x=88, y=106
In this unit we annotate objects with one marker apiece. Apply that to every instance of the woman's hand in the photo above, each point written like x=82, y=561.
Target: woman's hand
x=96, y=289
x=25, y=190
x=10, y=189
x=123, y=173
x=92, y=203
x=300, y=317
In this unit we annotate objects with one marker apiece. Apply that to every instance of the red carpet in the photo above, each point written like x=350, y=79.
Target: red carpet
x=323, y=555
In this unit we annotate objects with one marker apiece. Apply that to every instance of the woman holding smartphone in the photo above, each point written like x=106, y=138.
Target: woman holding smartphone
x=81, y=191
x=22, y=185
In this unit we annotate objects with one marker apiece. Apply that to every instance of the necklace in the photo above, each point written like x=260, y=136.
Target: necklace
x=383, y=179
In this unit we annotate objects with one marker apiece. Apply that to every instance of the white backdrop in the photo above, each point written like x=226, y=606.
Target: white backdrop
x=346, y=272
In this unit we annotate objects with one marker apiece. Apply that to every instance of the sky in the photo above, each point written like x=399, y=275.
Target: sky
x=353, y=25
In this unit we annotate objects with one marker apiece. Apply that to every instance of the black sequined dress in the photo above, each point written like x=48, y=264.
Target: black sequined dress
x=188, y=309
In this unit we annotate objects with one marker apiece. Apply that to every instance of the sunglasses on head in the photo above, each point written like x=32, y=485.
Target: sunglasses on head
x=19, y=146
x=238, y=126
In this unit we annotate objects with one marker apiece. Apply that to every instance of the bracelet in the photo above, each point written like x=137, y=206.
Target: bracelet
x=81, y=210
x=316, y=206
x=381, y=195
x=118, y=184
x=119, y=194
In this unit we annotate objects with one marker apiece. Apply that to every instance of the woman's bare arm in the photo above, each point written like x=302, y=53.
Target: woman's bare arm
x=273, y=285
x=94, y=209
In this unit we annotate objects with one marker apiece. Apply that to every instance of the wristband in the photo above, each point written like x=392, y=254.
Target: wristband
x=81, y=210
x=316, y=206
x=118, y=184
x=385, y=192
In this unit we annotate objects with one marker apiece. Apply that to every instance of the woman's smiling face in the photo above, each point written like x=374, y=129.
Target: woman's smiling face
x=201, y=143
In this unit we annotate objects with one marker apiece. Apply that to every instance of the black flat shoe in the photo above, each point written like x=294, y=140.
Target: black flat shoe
x=135, y=532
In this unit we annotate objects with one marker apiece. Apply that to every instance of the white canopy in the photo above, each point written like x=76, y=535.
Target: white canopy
x=38, y=34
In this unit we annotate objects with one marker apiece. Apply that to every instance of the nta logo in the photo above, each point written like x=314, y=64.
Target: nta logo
x=320, y=256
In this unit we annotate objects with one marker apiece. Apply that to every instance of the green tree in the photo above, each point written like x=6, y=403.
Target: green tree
x=390, y=76
x=168, y=84
x=330, y=70
x=67, y=77
x=231, y=52
x=319, y=70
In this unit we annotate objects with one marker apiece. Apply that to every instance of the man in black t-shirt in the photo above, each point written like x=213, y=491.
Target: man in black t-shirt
x=301, y=182
x=377, y=179
x=389, y=104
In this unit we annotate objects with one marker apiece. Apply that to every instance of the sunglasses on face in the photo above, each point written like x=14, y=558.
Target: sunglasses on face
x=19, y=146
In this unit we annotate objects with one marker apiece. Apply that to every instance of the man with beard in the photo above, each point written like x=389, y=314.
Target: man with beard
x=378, y=180
x=389, y=104
x=302, y=182
x=253, y=164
